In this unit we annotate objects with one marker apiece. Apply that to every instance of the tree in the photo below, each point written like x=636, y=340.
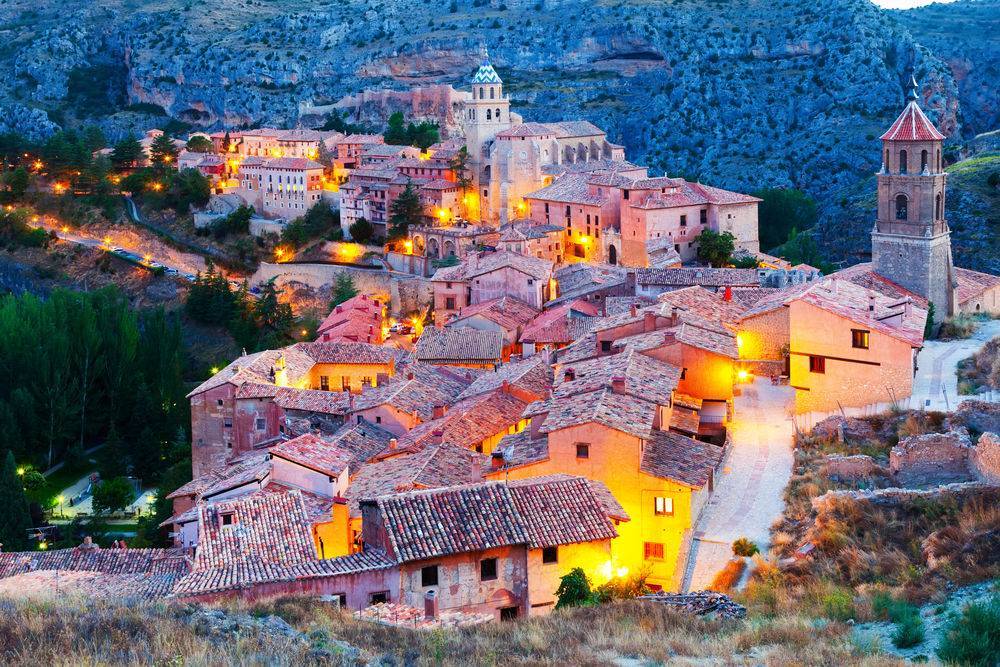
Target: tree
x=15, y=519
x=361, y=230
x=406, y=210
x=802, y=249
x=715, y=248
x=423, y=135
x=395, y=132
x=163, y=152
x=112, y=495
x=127, y=153
x=199, y=144
x=929, y=324
x=782, y=210
x=274, y=318
x=188, y=188
x=343, y=289
x=236, y=222
x=15, y=183
x=574, y=589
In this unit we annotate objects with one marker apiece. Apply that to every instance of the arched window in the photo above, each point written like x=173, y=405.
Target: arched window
x=492, y=92
x=887, y=158
x=488, y=115
x=902, y=162
x=498, y=114
x=939, y=162
x=900, y=207
x=923, y=160
x=937, y=207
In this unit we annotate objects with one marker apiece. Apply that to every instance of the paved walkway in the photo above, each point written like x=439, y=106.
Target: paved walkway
x=935, y=386
x=748, y=492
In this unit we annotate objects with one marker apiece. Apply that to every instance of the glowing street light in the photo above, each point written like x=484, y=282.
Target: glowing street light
x=21, y=470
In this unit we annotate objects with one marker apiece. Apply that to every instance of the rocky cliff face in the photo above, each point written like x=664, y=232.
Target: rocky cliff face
x=740, y=94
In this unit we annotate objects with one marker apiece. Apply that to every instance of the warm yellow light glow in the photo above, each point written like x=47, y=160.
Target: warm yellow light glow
x=348, y=252
x=739, y=340
x=443, y=214
x=167, y=158
x=605, y=570
x=59, y=188
x=65, y=229
x=408, y=247
x=621, y=572
x=20, y=470
x=38, y=164
x=107, y=240
x=418, y=325
x=147, y=258
x=215, y=369
x=585, y=240
x=156, y=186
x=60, y=499
x=305, y=333
x=742, y=375
x=43, y=545
x=522, y=207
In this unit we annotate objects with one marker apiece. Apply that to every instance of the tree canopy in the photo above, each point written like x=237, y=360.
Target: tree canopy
x=406, y=210
x=15, y=519
x=421, y=135
x=715, y=248
x=781, y=211
x=343, y=289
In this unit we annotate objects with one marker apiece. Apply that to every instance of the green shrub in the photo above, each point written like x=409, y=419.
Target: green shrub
x=974, y=637
x=838, y=605
x=744, y=547
x=574, y=589
x=909, y=631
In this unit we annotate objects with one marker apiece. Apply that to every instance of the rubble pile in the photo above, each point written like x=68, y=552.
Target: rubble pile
x=390, y=613
x=700, y=603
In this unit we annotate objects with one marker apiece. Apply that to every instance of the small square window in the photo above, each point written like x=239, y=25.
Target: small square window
x=429, y=576
x=228, y=519
x=380, y=597
x=227, y=423
x=219, y=402
x=550, y=555
x=859, y=339
x=663, y=506
x=652, y=550
x=582, y=450
x=817, y=364
x=488, y=569
x=605, y=346
x=261, y=424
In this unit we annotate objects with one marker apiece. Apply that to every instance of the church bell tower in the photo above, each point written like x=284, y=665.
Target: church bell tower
x=911, y=242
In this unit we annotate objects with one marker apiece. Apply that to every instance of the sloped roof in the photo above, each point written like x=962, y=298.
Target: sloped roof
x=477, y=265
x=561, y=510
x=703, y=276
x=313, y=400
x=313, y=452
x=559, y=324
x=532, y=375
x=294, y=163
x=486, y=74
x=570, y=189
x=347, y=352
x=506, y=312
x=912, y=125
x=973, y=283
x=676, y=457
x=256, y=368
x=703, y=303
x=469, y=422
x=864, y=275
x=463, y=344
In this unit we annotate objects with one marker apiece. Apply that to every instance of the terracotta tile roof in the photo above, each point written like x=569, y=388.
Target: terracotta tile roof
x=241, y=576
x=250, y=469
x=410, y=396
x=313, y=400
x=519, y=449
x=532, y=375
x=570, y=189
x=360, y=307
x=592, y=167
x=621, y=412
x=747, y=297
x=421, y=525
x=256, y=390
x=361, y=442
x=575, y=128
x=685, y=420
x=775, y=300
x=472, y=345
x=313, y=452
x=864, y=275
x=682, y=193
x=525, y=229
x=704, y=276
x=693, y=331
x=585, y=347
x=973, y=283
x=506, y=312
x=294, y=163
x=432, y=467
x=562, y=510
x=256, y=368
x=119, y=574
x=703, y=303
x=619, y=305
x=469, y=422
x=583, y=278
x=347, y=353
x=445, y=379
x=561, y=324
x=649, y=379
x=681, y=459
x=686, y=401
x=477, y=265
x=912, y=125
x=527, y=130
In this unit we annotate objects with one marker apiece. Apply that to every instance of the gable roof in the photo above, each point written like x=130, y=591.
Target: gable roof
x=478, y=264
x=676, y=457
x=532, y=375
x=462, y=344
x=973, y=283
x=563, y=509
x=506, y=312
x=313, y=452
x=347, y=352
x=563, y=323
x=704, y=276
x=469, y=422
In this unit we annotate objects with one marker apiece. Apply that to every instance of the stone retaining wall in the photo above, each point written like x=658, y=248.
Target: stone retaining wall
x=985, y=460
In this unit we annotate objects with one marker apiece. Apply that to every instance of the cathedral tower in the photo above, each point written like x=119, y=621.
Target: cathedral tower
x=911, y=242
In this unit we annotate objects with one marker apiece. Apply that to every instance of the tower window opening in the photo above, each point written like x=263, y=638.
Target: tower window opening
x=901, y=207
x=923, y=160
x=902, y=162
x=937, y=207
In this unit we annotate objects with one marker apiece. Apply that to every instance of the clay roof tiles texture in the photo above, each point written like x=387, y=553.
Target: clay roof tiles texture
x=314, y=452
x=912, y=125
x=676, y=457
x=532, y=375
x=347, y=352
x=703, y=276
x=464, y=344
x=507, y=312
x=562, y=510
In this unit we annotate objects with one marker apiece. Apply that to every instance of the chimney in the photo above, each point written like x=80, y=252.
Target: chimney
x=648, y=321
x=409, y=376
x=350, y=400
x=728, y=294
x=618, y=384
x=430, y=605
x=674, y=317
x=496, y=460
x=505, y=387
x=907, y=307
x=439, y=411
x=632, y=310
x=437, y=437
x=871, y=304
x=393, y=443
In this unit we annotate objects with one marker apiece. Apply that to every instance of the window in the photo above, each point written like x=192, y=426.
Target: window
x=684, y=373
x=900, y=207
x=261, y=424
x=488, y=569
x=703, y=216
x=429, y=576
x=923, y=160
x=341, y=599
x=684, y=221
x=550, y=555
x=817, y=364
x=652, y=551
x=227, y=423
x=449, y=303
x=902, y=162
x=605, y=346
x=228, y=519
x=345, y=383
x=380, y=597
x=663, y=506
x=859, y=339
x=508, y=614
x=582, y=450
x=937, y=207
x=219, y=402
x=324, y=382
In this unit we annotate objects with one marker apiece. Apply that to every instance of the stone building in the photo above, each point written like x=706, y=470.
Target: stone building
x=911, y=242
x=285, y=187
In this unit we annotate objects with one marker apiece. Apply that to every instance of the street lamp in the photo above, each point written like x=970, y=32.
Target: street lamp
x=60, y=499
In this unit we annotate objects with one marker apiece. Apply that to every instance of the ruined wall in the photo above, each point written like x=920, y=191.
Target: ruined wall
x=932, y=457
x=985, y=459
x=852, y=468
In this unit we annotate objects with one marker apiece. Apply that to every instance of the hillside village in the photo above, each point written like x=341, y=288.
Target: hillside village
x=575, y=390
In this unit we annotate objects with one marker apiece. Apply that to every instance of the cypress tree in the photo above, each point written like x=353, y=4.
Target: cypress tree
x=15, y=519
